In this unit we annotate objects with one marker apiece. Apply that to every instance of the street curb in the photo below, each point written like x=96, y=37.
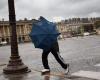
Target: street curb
x=3, y=64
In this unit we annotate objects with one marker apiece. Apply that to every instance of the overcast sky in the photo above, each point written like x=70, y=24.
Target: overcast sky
x=52, y=9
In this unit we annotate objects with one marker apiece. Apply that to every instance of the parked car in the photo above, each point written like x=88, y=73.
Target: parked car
x=3, y=43
x=86, y=33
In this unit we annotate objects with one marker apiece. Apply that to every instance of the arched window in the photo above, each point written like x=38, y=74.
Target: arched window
x=7, y=39
x=3, y=39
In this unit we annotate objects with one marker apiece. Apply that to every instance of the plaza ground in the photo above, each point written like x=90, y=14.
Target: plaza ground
x=82, y=53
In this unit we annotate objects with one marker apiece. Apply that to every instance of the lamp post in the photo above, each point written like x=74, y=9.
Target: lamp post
x=15, y=64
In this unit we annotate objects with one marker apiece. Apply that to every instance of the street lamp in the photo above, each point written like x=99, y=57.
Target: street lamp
x=15, y=64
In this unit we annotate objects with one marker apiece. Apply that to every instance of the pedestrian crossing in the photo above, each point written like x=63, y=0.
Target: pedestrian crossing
x=97, y=65
x=88, y=74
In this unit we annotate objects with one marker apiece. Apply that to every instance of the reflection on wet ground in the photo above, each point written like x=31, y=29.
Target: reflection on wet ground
x=79, y=52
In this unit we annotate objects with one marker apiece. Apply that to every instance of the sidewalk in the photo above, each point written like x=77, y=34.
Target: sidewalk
x=82, y=59
x=87, y=73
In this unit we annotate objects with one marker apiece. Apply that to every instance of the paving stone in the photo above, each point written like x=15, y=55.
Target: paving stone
x=87, y=74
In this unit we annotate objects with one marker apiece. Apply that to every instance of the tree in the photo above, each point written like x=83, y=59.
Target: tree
x=97, y=24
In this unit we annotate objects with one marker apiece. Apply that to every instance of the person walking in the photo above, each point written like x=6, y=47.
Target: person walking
x=55, y=51
x=44, y=36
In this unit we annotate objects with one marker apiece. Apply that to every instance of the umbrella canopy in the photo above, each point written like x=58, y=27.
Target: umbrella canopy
x=43, y=33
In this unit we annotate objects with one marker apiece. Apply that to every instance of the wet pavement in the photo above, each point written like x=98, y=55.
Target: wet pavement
x=81, y=53
x=35, y=75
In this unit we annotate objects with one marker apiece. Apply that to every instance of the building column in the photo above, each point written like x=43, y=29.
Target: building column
x=8, y=34
x=25, y=32
x=3, y=34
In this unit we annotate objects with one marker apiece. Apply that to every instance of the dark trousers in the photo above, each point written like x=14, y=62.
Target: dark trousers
x=55, y=54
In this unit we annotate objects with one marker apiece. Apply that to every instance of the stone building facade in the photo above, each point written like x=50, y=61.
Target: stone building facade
x=66, y=27
x=23, y=28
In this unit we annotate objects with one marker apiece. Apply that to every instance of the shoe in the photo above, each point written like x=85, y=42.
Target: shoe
x=67, y=70
x=45, y=71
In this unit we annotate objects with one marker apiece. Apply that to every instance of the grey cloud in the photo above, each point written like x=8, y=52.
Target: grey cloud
x=3, y=4
x=3, y=9
x=54, y=8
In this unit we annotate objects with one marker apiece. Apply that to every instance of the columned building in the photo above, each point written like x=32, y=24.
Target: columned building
x=66, y=27
x=23, y=29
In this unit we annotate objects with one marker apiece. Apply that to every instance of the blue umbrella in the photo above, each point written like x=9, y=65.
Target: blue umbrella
x=43, y=33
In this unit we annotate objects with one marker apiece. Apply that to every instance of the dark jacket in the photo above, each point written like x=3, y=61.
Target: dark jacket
x=55, y=46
